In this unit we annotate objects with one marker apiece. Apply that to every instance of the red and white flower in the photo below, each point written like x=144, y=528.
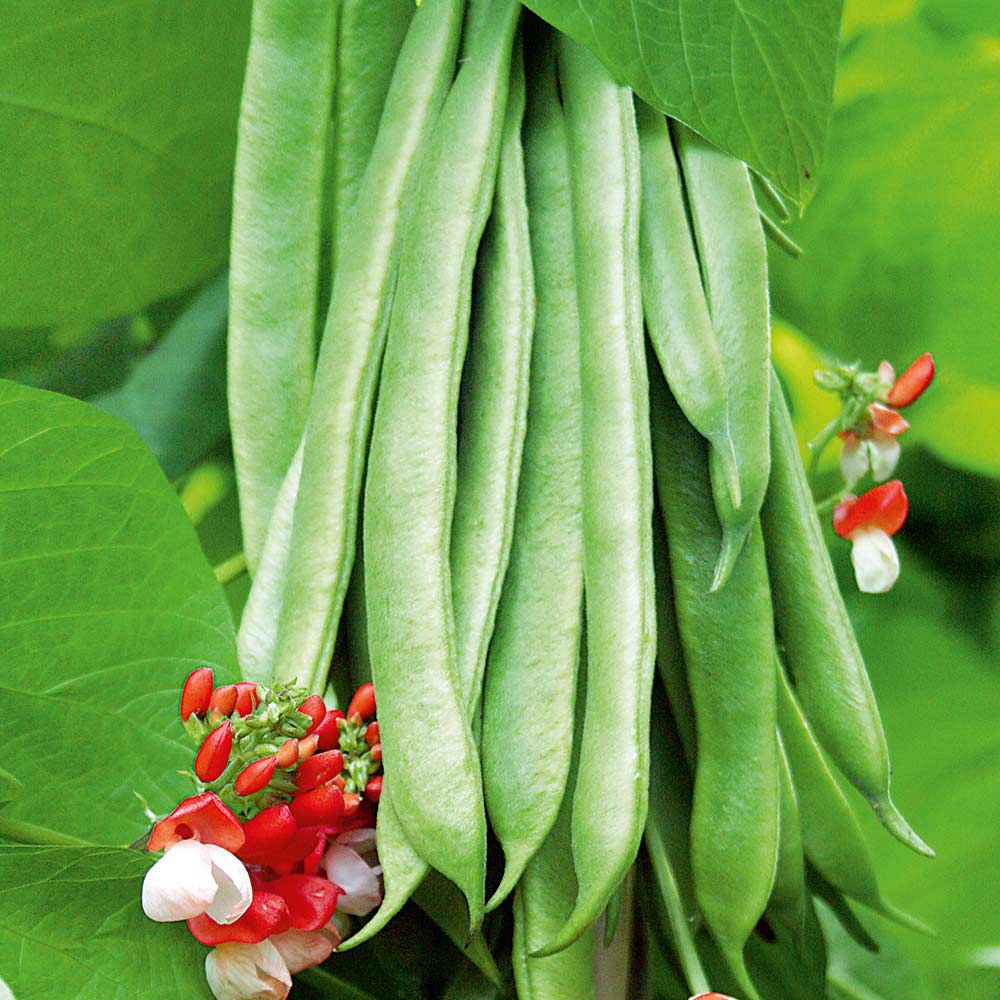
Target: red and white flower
x=869, y=522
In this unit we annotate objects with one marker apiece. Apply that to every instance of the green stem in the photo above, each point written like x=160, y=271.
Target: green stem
x=27, y=833
x=827, y=505
x=229, y=570
x=818, y=445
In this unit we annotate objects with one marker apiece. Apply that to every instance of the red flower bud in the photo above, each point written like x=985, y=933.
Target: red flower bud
x=373, y=790
x=203, y=817
x=223, y=700
x=883, y=507
x=351, y=803
x=247, y=698
x=371, y=734
x=267, y=833
x=328, y=732
x=911, y=384
x=307, y=746
x=323, y=806
x=362, y=705
x=255, y=776
x=711, y=996
x=288, y=753
x=196, y=693
x=310, y=899
x=267, y=915
x=213, y=756
x=377, y=752
x=339, y=782
x=319, y=769
x=314, y=707
x=887, y=420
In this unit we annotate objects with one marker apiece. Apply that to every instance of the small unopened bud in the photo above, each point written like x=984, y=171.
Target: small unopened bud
x=373, y=790
x=377, y=752
x=307, y=746
x=351, y=803
x=255, y=776
x=371, y=734
x=339, y=782
x=322, y=806
x=328, y=731
x=319, y=769
x=288, y=753
x=912, y=383
x=223, y=701
x=196, y=693
x=247, y=698
x=315, y=708
x=213, y=756
x=362, y=705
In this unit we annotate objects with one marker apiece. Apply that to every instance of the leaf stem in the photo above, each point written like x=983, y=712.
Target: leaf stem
x=818, y=445
x=229, y=570
x=27, y=833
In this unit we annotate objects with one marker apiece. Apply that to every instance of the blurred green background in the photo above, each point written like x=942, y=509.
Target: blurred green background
x=901, y=247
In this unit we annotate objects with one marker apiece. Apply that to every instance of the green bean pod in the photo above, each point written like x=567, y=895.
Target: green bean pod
x=788, y=894
x=831, y=835
x=728, y=644
x=493, y=405
x=410, y=487
x=533, y=656
x=277, y=215
x=369, y=39
x=617, y=485
x=297, y=642
x=673, y=300
x=733, y=259
x=819, y=644
x=545, y=897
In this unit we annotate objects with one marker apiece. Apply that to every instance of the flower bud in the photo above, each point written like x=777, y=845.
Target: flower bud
x=288, y=753
x=213, y=756
x=377, y=752
x=247, y=698
x=196, y=693
x=255, y=776
x=267, y=833
x=327, y=732
x=319, y=769
x=373, y=790
x=351, y=803
x=371, y=734
x=362, y=705
x=315, y=708
x=323, y=806
x=912, y=383
x=223, y=700
x=307, y=746
x=237, y=971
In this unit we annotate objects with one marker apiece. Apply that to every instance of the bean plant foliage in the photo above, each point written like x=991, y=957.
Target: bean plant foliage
x=118, y=125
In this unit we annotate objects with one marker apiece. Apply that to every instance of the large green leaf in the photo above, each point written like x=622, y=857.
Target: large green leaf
x=72, y=928
x=117, y=132
x=106, y=603
x=753, y=76
x=900, y=242
x=175, y=397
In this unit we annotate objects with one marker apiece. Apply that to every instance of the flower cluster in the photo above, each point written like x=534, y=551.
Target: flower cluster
x=869, y=426
x=275, y=852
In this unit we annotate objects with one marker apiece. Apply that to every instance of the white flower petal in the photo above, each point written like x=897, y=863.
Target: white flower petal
x=247, y=972
x=361, y=841
x=180, y=885
x=303, y=949
x=883, y=450
x=346, y=868
x=853, y=460
x=876, y=564
x=235, y=894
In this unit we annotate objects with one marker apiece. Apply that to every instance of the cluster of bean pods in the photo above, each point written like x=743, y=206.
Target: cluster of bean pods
x=540, y=484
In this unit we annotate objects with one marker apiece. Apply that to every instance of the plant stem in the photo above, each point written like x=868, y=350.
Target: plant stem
x=818, y=445
x=229, y=570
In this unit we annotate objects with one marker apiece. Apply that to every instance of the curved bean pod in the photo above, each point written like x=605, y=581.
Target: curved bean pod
x=410, y=488
x=617, y=485
x=788, y=894
x=673, y=299
x=277, y=212
x=369, y=39
x=831, y=835
x=533, y=656
x=493, y=405
x=734, y=270
x=728, y=640
x=321, y=548
x=820, y=648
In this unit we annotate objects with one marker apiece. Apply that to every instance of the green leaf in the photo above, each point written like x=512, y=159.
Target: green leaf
x=900, y=241
x=10, y=787
x=175, y=398
x=752, y=76
x=72, y=928
x=117, y=134
x=106, y=603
